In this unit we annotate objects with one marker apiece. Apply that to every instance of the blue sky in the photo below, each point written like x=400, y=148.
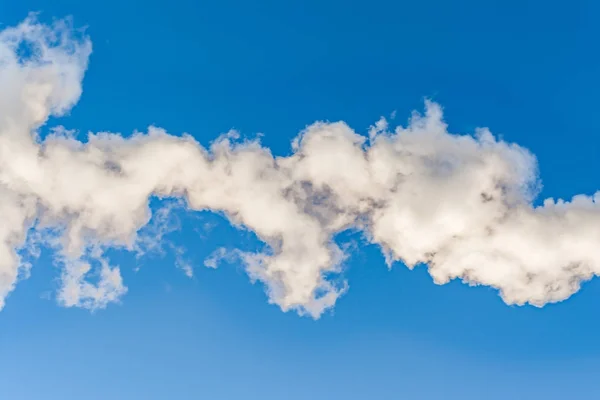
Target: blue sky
x=527, y=70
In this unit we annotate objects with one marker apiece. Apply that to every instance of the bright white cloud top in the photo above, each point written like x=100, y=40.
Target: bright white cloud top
x=461, y=204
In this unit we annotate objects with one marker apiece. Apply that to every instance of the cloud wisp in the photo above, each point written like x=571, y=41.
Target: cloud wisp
x=462, y=204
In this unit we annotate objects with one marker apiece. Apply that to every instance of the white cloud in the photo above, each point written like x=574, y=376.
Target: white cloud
x=462, y=204
x=216, y=257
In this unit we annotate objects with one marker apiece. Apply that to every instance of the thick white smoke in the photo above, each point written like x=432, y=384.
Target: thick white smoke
x=461, y=204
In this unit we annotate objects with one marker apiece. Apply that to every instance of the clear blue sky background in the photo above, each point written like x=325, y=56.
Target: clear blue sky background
x=526, y=69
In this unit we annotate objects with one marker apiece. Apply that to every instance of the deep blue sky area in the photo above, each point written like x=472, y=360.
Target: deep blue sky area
x=528, y=70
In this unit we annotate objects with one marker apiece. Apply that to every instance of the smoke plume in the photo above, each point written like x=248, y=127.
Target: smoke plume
x=462, y=204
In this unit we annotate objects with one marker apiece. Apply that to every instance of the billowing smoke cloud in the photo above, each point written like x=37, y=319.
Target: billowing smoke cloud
x=461, y=204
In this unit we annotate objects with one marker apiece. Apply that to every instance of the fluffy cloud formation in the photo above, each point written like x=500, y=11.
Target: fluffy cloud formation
x=462, y=204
